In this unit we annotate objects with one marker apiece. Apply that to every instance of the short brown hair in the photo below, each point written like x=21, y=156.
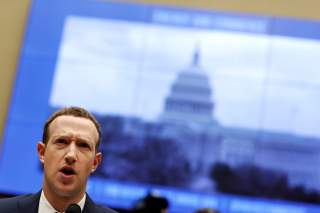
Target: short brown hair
x=71, y=111
x=206, y=210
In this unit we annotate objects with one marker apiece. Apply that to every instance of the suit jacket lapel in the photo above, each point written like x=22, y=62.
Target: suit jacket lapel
x=29, y=203
x=89, y=206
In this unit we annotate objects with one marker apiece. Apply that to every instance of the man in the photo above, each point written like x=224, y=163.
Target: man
x=69, y=154
x=206, y=210
x=152, y=203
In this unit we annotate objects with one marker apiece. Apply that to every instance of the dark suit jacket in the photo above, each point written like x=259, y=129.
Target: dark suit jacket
x=29, y=204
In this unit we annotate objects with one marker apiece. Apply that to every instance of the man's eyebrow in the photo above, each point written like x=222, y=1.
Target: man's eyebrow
x=77, y=138
x=86, y=140
x=58, y=136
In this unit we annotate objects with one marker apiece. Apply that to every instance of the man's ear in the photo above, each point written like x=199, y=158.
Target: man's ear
x=41, y=147
x=97, y=161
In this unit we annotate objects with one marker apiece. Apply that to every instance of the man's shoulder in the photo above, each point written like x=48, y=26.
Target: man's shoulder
x=104, y=209
x=14, y=200
x=12, y=204
x=90, y=206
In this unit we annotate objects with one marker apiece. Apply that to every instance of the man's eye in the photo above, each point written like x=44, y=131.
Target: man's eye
x=62, y=141
x=84, y=145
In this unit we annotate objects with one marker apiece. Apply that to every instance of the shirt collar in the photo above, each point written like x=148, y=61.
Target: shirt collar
x=46, y=207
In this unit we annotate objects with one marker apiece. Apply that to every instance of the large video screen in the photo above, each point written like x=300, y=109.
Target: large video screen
x=206, y=108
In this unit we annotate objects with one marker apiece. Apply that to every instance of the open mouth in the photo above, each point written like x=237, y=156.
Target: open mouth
x=68, y=171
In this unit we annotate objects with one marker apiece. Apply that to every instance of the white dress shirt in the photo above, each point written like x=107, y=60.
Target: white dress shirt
x=46, y=207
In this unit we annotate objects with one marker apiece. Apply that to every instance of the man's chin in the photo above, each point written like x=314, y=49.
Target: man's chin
x=69, y=190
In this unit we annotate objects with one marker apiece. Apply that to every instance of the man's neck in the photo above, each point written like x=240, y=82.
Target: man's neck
x=60, y=203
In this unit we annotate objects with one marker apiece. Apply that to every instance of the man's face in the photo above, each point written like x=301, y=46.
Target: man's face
x=69, y=156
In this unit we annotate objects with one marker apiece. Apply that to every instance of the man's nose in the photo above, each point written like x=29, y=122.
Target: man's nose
x=71, y=155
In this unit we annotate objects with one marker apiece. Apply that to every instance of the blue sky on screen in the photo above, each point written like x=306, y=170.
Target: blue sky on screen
x=119, y=67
